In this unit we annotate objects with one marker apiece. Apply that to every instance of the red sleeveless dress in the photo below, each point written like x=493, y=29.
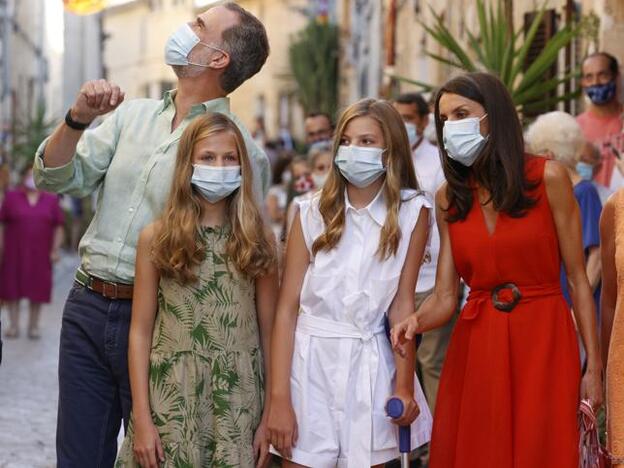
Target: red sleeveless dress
x=509, y=390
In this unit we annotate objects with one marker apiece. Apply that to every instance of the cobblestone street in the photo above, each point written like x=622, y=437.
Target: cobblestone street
x=28, y=382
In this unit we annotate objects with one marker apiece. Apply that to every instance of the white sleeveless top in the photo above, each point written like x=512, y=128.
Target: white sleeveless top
x=349, y=283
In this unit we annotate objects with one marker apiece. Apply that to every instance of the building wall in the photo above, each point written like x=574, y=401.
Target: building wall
x=133, y=54
x=82, y=59
x=28, y=70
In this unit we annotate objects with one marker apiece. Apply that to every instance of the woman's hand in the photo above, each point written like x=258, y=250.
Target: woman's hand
x=261, y=444
x=410, y=408
x=403, y=334
x=147, y=447
x=282, y=426
x=591, y=387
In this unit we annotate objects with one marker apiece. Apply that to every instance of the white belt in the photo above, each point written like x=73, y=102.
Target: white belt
x=361, y=397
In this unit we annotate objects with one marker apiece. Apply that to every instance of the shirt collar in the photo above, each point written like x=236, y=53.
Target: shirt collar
x=213, y=105
x=376, y=209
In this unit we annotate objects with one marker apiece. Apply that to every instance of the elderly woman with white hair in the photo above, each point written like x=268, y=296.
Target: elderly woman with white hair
x=559, y=136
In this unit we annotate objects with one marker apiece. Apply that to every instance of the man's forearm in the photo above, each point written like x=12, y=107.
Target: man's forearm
x=61, y=146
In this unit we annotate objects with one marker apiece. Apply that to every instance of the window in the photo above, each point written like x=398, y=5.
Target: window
x=545, y=32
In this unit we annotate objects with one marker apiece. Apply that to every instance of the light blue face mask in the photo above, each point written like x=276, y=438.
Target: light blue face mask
x=412, y=133
x=216, y=182
x=180, y=44
x=360, y=165
x=585, y=171
x=463, y=141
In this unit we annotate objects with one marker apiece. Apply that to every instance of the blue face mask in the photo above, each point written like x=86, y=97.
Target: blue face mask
x=412, y=133
x=463, y=141
x=360, y=165
x=216, y=182
x=601, y=94
x=180, y=44
x=585, y=171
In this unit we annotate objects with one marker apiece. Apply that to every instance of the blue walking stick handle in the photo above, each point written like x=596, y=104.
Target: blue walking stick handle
x=394, y=409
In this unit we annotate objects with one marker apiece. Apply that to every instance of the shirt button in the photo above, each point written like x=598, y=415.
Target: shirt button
x=119, y=240
x=130, y=209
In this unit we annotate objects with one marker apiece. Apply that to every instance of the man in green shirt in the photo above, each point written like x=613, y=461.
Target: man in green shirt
x=130, y=159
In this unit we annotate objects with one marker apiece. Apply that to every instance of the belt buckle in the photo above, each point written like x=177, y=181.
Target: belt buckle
x=506, y=306
x=105, y=285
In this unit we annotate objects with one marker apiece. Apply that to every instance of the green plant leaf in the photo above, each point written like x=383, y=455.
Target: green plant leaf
x=528, y=41
x=541, y=88
x=425, y=86
x=547, y=57
x=441, y=59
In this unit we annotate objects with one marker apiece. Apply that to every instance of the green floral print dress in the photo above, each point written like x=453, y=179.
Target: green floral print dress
x=206, y=369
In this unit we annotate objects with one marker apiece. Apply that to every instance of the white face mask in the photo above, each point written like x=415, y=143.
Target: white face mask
x=180, y=44
x=463, y=141
x=319, y=180
x=360, y=165
x=412, y=133
x=216, y=182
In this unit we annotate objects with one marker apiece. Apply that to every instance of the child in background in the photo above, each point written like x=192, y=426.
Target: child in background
x=321, y=158
x=202, y=313
x=353, y=256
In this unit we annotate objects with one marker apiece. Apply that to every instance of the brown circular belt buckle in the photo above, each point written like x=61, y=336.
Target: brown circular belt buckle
x=506, y=306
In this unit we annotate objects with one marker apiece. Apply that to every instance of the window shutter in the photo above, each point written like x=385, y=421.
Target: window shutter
x=545, y=32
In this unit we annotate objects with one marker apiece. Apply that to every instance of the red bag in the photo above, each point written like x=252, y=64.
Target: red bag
x=591, y=453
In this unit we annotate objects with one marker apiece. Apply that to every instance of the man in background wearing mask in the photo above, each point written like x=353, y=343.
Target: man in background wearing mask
x=602, y=121
x=318, y=128
x=130, y=158
x=426, y=157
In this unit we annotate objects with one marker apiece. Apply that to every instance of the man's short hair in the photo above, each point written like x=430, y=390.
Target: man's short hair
x=311, y=115
x=248, y=46
x=414, y=98
x=614, y=66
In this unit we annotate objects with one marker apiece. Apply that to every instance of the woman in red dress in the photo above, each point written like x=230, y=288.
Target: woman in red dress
x=511, y=382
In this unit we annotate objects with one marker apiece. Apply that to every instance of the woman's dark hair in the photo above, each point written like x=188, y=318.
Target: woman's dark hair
x=24, y=170
x=500, y=167
x=283, y=162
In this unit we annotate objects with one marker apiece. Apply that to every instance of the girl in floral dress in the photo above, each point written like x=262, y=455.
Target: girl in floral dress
x=202, y=313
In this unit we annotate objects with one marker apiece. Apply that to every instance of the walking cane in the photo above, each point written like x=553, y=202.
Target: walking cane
x=394, y=409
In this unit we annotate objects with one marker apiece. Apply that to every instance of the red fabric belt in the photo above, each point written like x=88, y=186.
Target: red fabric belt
x=504, y=298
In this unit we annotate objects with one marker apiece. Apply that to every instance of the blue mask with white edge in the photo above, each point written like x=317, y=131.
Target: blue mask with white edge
x=180, y=44
x=360, y=165
x=585, y=171
x=216, y=182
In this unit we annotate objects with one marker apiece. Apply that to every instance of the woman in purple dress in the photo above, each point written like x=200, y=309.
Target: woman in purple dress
x=31, y=232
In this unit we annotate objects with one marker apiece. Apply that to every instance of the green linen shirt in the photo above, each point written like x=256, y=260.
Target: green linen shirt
x=130, y=158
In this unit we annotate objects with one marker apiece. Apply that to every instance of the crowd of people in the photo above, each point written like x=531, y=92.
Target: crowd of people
x=232, y=308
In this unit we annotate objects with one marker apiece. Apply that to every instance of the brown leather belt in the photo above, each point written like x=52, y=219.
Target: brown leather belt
x=107, y=289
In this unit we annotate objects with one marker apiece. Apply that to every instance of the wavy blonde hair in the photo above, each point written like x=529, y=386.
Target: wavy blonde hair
x=177, y=249
x=399, y=174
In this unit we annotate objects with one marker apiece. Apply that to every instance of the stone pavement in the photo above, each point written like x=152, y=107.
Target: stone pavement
x=28, y=382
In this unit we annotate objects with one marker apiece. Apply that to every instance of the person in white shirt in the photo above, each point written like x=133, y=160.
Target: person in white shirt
x=352, y=260
x=426, y=157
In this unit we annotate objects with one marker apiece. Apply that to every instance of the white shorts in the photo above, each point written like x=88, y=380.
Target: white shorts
x=326, y=374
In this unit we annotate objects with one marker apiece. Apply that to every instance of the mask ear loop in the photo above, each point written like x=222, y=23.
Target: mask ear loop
x=209, y=46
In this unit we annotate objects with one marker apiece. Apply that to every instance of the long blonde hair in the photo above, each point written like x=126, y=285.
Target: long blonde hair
x=399, y=174
x=177, y=248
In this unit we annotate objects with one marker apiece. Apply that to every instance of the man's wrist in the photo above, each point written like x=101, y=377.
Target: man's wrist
x=76, y=121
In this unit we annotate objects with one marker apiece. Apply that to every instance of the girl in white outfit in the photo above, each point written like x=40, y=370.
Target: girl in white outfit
x=353, y=256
